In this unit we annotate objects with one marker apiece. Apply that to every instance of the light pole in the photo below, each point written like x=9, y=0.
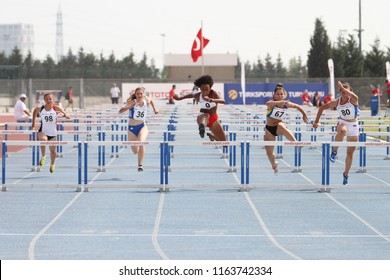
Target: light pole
x=163, y=50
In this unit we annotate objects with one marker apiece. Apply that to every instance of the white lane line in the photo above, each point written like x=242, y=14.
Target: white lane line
x=24, y=177
x=359, y=218
x=157, y=227
x=157, y=221
x=353, y=213
x=31, y=249
x=300, y=173
x=266, y=230
x=373, y=177
x=314, y=235
x=263, y=225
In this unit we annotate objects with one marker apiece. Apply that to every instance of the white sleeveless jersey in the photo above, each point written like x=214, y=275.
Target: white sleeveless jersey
x=139, y=112
x=206, y=104
x=347, y=111
x=48, y=121
x=277, y=113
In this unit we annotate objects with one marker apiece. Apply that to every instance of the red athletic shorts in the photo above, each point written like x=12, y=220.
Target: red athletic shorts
x=213, y=118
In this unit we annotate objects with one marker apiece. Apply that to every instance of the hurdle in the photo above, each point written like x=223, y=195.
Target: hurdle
x=297, y=154
x=245, y=157
x=229, y=145
x=36, y=144
x=325, y=168
x=164, y=155
x=388, y=140
x=163, y=146
x=362, y=154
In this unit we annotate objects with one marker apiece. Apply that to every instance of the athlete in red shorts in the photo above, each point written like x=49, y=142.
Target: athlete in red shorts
x=208, y=100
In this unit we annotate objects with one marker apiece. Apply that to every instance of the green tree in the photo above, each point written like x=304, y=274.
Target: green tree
x=38, y=70
x=111, y=64
x=257, y=70
x=237, y=69
x=68, y=66
x=49, y=68
x=320, y=52
x=3, y=63
x=15, y=59
x=90, y=66
x=3, y=59
x=279, y=68
x=130, y=65
x=143, y=70
x=339, y=52
x=354, y=59
x=296, y=69
x=28, y=66
x=375, y=60
x=269, y=66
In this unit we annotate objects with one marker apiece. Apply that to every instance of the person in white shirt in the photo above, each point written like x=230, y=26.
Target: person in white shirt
x=114, y=93
x=21, y=112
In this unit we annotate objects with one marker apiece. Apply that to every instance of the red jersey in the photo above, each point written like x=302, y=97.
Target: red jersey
x=171, y=94
x=306, y=97
x=327, y=99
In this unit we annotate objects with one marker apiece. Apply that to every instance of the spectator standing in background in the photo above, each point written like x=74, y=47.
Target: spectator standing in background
x=374, y=90
x=388, y=89
x=114, y=94
x=171, y=94
x=69, y=98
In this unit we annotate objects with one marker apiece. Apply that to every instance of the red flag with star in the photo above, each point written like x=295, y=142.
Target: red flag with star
x=198, y=46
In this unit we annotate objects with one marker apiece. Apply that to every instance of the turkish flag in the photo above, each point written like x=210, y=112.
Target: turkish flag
x=197, y=48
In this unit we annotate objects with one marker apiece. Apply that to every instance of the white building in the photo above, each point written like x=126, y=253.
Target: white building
x=180, y=67
x=17, y=35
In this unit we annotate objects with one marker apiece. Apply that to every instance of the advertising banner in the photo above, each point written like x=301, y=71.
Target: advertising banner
x=261, y=93
x=161, y=90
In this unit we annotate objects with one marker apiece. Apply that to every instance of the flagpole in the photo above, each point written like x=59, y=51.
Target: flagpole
x=201, y=46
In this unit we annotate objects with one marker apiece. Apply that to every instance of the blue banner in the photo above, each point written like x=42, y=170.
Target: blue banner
x=261, y=93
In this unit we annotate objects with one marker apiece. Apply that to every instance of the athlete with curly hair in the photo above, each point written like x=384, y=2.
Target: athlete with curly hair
x=208, y=100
